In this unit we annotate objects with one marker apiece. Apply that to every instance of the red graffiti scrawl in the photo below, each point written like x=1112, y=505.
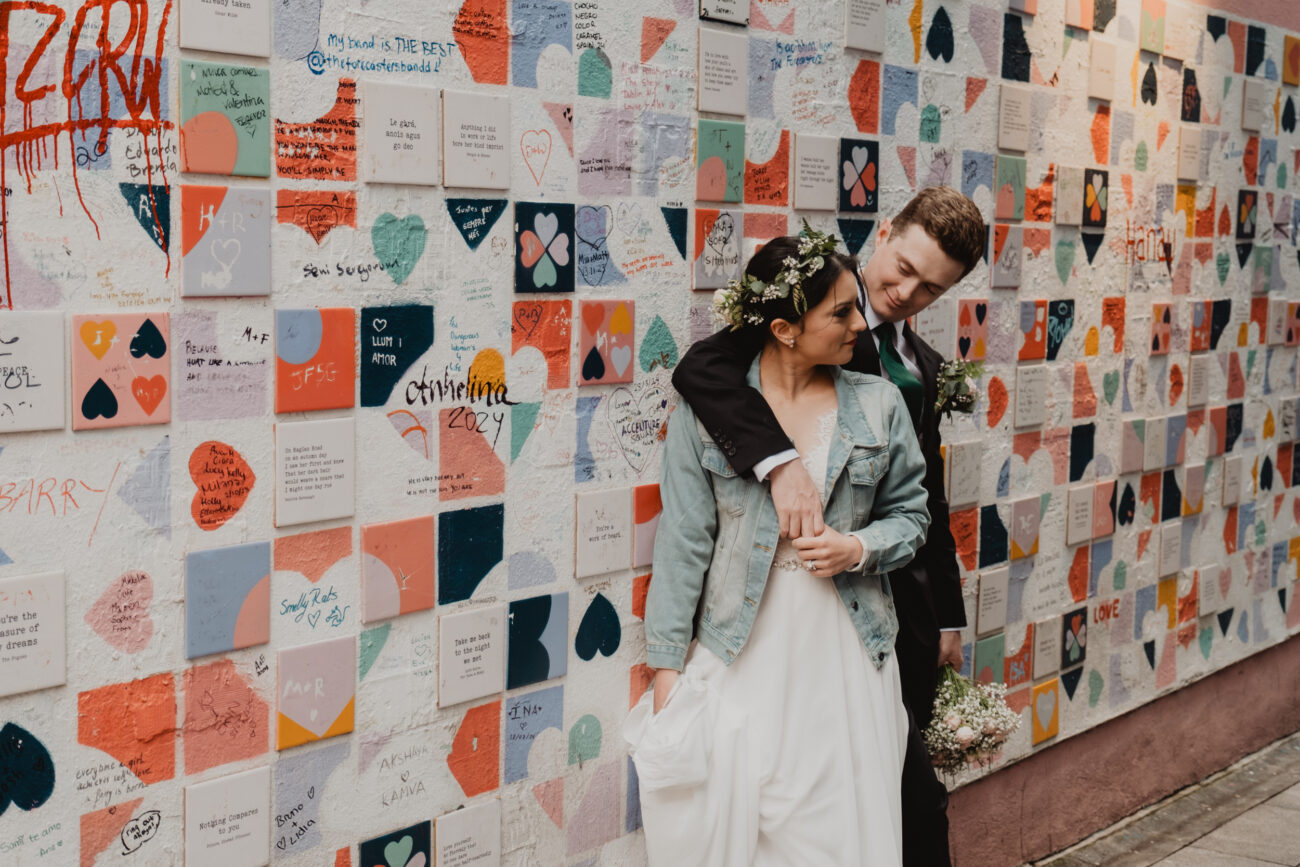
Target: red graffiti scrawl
x=88, y=74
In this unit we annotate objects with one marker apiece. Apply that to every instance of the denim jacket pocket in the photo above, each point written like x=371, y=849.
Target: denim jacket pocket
x=866, y=467
x=730, y=490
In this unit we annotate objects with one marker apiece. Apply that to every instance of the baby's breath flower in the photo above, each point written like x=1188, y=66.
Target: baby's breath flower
x=971, y=723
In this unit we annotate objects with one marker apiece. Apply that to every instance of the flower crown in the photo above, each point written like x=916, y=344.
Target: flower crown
x=737, y=305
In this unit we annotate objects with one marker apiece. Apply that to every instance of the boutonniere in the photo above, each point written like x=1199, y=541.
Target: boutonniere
x=957, y=387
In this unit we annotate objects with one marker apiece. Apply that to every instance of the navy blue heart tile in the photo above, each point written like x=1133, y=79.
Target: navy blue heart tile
x=148, y=341
x=599, y=630
x=26, y=769
x=99, y=401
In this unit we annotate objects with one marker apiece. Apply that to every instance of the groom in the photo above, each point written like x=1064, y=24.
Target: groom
x=931, y=244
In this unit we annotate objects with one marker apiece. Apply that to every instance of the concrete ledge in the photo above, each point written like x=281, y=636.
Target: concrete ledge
x=1060, y=795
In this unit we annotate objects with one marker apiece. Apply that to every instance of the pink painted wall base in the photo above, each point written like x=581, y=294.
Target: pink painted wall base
x=1096, y=778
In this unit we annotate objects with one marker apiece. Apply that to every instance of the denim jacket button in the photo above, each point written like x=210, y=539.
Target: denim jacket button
x=854, y=605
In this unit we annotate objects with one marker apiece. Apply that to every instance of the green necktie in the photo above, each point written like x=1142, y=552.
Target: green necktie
x=898, y=373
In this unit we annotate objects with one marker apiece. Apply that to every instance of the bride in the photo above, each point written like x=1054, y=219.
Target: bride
x=775, y=730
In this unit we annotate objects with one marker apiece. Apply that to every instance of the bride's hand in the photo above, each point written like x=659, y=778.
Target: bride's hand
x=665, y=679
x=829, y=553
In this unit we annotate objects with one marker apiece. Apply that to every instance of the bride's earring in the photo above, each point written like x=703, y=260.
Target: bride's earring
x=789, y=341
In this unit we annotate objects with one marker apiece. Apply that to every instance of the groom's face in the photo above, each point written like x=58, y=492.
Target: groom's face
x=907, y=272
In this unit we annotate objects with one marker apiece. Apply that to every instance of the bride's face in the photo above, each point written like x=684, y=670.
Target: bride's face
x=831, y=328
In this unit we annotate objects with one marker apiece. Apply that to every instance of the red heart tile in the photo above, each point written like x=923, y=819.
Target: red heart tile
x=224, y=480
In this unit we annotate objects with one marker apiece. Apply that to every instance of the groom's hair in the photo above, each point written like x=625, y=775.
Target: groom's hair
x=951, y=219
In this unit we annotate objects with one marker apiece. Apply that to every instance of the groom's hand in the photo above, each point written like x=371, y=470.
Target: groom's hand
x=798, y=505
x=950, y=649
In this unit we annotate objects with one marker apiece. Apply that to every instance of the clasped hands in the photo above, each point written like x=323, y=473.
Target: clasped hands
x=824, y=550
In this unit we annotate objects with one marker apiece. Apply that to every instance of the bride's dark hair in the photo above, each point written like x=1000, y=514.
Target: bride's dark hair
x=768, y=262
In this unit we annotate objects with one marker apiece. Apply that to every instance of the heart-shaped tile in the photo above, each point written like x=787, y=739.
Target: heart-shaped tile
x=149, y=392
x=398, y=852
x=379, y=324
x=1222, y=265
x=99, y=401
x=26, y=767
x=545, y=274
x=658, y=348
x=98, y=336
x=620, y=357
x=998, y=398
x=1110, y=386
x=981, y=311
x=592, y=317
x=547, y=226
x=1175, y=384
x=223, y=479
x=148, y=341
x=860, y=156
x=964, y=316
x=593, y=366
x=120, y=615
x=559, y=249
x=399, y=244
x=621, y=321
x=1064, y=260
x=599, y=630
x=1045, y=707
x=531, y=248
x=963, y=347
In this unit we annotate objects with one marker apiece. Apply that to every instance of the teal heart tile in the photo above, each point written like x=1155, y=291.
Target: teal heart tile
x=544, y=274
x=1222, y=263
x=658, y=349
x=398, y=852
x=1110, y=386
x=1064, y=260
x=399, y=244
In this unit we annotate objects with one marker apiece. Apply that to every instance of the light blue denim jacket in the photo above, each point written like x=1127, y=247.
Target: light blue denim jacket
x=718, y=531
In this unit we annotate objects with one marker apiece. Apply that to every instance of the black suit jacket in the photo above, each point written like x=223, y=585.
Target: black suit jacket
x=711, y=377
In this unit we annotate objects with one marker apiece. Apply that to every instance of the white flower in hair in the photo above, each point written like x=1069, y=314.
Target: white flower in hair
x=734, y=305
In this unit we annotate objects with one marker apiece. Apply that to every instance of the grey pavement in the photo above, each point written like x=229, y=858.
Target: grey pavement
x=1245, y=816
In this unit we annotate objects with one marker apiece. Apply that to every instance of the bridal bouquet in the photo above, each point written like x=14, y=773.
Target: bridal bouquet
x=971, y=722
x=958, y=387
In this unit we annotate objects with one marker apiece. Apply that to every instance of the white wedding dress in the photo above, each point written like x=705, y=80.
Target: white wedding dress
x=793, y=754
